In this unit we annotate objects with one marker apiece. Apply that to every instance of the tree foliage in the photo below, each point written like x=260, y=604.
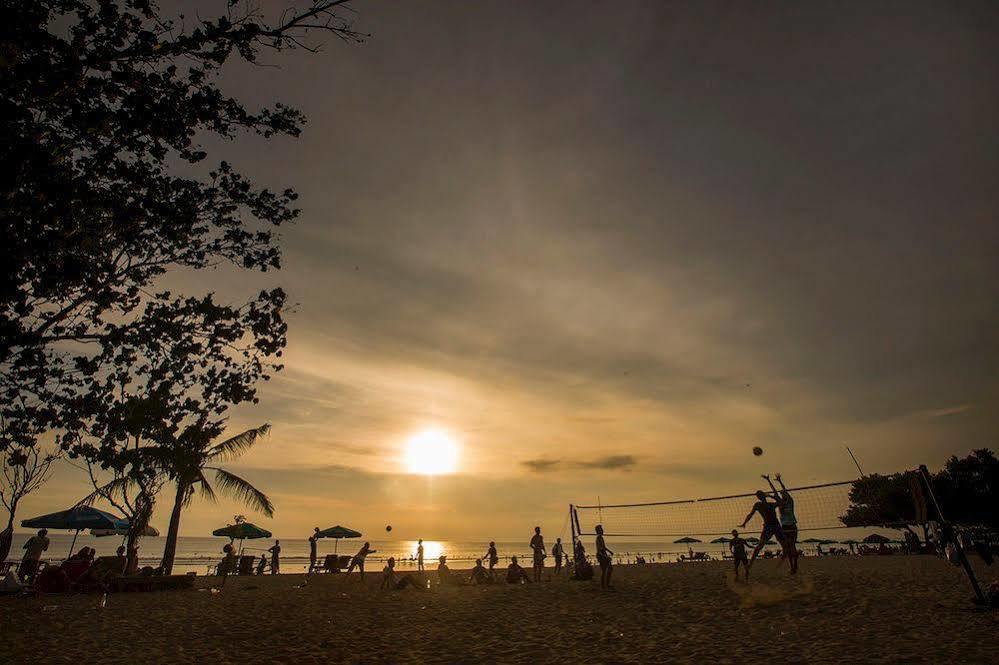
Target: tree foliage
x=967, y=490
x=108, y=188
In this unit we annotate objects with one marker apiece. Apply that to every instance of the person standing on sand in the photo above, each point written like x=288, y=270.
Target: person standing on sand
x=538, y=545
x=419, y=555
x=738, y=548
x=771, y=526
x=313, y=554
x=33, y=548
x=275, y=557
x=557, y=553
x=492, y=557
x=358, y=560
x=604, y=559
x=788, y=521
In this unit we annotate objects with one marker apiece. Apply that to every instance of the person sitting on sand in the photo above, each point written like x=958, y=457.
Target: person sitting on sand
x=538, y=546
x=582, y=571
x=444, y=576
x=389, y=580
x=480, y=575
x=358, y=560
x=275, y=551
x=228, y=564
x=771, y=526
x=492, y=557
x=515, y=574
x=557, y=554
x=262, y=564
x=738, y=548
x=788, y=522
x=604, y=559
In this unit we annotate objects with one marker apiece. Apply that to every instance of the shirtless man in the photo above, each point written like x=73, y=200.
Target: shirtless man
x=358, y=560
x=492, y=557
x=515, y=574
x=419, y=555
x=771, y=526
x=738, y=547
x=604, y=559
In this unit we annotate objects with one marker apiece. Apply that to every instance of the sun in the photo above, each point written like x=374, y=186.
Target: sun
x=431, y=453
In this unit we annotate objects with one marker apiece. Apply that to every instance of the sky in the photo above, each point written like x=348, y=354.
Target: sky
x=609, y=248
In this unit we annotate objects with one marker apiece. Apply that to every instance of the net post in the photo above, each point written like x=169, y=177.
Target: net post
x=961, y=556
x=572, y=525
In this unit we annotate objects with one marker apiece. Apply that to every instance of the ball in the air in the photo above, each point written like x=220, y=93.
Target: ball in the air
x=757, y=451
x=388, y=528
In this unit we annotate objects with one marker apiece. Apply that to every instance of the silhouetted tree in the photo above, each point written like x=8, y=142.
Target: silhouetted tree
x=22, y=471
x=102, y=108
x=877, y=500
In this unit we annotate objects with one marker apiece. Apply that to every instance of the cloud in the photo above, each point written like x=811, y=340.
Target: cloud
x=607, y=463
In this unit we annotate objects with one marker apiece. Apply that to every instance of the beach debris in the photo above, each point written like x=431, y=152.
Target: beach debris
x=50, y=608
x=103, y=602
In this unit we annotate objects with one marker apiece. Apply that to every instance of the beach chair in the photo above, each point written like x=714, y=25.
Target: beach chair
x=334, y=563
x=7, y=566
x=245, y=566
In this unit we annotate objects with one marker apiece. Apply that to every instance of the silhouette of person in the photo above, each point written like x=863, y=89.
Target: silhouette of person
x=557, y=553
x=358, y=560
x=604, y=559
x=515, y=574
x=771, y=527
x=492, y=557
x=275, y=551
x=538, y=545
x=313, y=545
x=419, y=555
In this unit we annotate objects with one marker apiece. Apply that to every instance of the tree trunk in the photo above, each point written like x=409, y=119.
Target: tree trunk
x=170, y=547
x=7, y=535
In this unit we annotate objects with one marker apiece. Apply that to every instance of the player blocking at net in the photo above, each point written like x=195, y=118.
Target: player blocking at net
x=788, y=521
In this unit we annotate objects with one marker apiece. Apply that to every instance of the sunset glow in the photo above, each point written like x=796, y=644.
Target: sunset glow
x=431, y=453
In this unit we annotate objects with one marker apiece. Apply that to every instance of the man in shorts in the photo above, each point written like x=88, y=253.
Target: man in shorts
x=604, y=559
x=738, y=548
x=771, y=526
x=538, y=545
x=33, y=549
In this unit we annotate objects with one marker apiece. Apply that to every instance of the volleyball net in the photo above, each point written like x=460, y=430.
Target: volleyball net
x=816, y=507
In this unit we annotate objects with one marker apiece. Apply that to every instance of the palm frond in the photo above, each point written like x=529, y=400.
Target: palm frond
x=239, y=444
x=114, y=489
x=206, y=490
x=241, y=490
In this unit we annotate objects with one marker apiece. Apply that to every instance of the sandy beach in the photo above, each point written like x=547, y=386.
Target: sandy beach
x=840, y=609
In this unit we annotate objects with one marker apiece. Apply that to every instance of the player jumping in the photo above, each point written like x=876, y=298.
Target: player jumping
x=788, y=522
x=771, y=526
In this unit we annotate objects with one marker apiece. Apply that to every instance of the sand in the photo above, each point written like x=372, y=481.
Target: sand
x=839, y=609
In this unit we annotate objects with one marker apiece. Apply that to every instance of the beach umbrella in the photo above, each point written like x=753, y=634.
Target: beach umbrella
x=752, y=539
x=723, y=539
x=149, y=531
x=876, y=539
x=685, y=540
x=827, y=542
x=336, y=533
x=77, y=519
x=241, y=532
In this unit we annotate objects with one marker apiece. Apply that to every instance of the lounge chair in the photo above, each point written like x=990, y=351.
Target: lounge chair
x=334, y=563
x=245, y=565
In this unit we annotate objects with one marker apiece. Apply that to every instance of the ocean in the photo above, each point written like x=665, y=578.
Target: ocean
x=200, y=554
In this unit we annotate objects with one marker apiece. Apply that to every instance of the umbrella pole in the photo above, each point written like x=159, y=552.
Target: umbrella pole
x=73, y=544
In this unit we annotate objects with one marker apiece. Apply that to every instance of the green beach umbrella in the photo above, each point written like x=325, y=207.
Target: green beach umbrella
x=876, y=538
x=685, y=540
x=242, y=531
x=723, y=539
x=337, y=532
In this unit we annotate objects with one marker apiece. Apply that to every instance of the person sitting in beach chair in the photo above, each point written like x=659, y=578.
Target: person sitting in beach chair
x=228, y=564
x=515, y=574
x=391, y=581
x=262, y=564
x=480, y=575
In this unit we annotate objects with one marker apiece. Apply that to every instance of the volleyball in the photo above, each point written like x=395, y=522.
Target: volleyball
x=388, y=528
x=757, y=451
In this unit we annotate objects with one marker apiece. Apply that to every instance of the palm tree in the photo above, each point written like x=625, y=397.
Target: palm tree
x=186, y=461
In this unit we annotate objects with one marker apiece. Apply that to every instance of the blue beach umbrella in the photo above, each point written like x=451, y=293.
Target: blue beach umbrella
x=77, y=519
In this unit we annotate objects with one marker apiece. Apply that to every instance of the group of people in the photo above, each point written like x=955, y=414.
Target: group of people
x=779, y=522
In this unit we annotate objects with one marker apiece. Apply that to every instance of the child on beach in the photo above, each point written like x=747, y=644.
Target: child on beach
x=604, y=559
x=515, y=574
x=738, y=548
x=389, y=580
x=492, y=557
